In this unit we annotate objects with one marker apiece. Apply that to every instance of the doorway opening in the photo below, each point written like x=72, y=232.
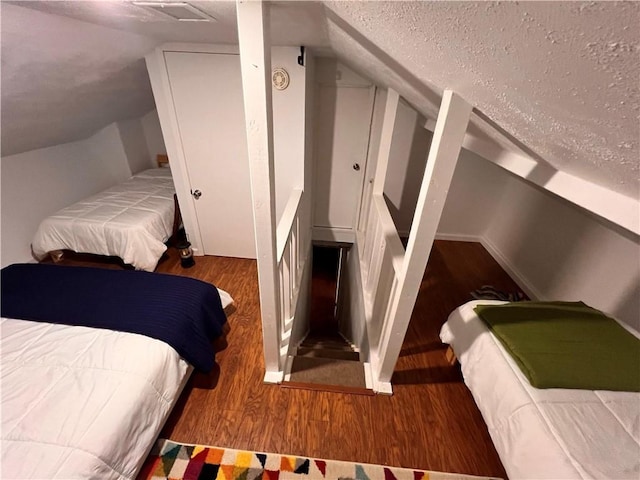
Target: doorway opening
x=325, y=274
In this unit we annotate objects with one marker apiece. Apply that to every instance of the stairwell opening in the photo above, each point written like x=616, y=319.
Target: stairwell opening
x=325, y=359
x=325, y=280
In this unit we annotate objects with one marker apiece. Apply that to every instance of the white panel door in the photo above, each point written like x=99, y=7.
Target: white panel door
x=342, y=137
x=207, y=97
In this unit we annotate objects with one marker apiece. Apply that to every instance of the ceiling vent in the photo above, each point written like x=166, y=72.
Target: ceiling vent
x=177, y=10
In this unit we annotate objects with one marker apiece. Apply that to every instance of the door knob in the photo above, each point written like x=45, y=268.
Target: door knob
x=356, y=166
x=196, y=194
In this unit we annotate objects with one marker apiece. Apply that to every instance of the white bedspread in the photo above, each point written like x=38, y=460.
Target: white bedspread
x=550, y=433
x=80, y=402
x=131, y=220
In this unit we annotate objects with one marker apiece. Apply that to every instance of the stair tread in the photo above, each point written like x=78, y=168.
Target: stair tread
x=324, y=346
x=317, y=387
x=327, y=342
x=349, y=355
x=326, y=338
x=328, y=371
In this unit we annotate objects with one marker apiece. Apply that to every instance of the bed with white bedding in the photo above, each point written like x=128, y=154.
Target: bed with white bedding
x=544, y=433
x=82, y=402
x=131, y=220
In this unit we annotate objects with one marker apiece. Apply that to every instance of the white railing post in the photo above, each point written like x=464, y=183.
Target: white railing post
x=255, y=61
x=450, y=129
x=289, y=262
x=386, y=136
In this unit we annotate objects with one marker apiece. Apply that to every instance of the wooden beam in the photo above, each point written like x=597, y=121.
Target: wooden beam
x=386, y=137
x=614, y=207
x=255, y=61
x=450, y=129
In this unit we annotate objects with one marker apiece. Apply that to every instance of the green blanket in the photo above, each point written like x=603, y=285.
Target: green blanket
x=566, y=345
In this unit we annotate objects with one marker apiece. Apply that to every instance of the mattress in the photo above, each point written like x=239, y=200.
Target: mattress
x=80, y=402
x=186, y=313
x=131, y=220
x=550, y=433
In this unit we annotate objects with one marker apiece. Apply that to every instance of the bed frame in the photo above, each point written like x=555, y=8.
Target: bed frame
x=542, y=433
x=136, y=244
x=100, y=374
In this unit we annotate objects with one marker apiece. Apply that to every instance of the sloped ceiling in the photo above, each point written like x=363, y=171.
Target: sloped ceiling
x=70, y=68
x=559, y=79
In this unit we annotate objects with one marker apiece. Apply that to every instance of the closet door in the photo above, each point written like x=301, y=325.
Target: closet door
x=207, y=97
x=342, y=138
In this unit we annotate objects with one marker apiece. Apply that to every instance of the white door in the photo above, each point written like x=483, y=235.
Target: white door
x=342, y=137
x=207, y=97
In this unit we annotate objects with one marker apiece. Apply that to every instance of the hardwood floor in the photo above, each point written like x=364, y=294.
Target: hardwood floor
x=431, y=422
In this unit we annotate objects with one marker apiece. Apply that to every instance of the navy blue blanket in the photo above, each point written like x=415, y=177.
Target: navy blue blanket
x=183, y=312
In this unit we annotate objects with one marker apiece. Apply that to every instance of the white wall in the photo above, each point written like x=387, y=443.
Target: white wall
x=153, y=135
x=553, y=249
x=565, y=253
x=309, y=124
x=372, y=155
x=353, y=322
x=475, y=192
x=36, y=184
x=135, y=145
x=407, y=161
x=288, y=126
x=330, y=71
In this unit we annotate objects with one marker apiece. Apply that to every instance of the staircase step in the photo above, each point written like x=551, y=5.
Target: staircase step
x=329, y=388
x=328, y=353
x=328, y=338
x=327, y=371
x=341, y=347
x=334, y=342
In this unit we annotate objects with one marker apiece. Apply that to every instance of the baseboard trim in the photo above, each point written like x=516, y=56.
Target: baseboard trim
x=333, y=235
x=273, y=377
x=511, y=270
x=499, y=257
x=383, y=388
x=328, y=388
x=458, y=237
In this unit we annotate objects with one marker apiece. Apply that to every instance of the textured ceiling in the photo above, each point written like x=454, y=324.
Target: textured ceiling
x=560, y=78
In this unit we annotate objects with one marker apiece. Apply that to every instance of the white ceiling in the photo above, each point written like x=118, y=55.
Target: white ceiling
x=560, y=78
x=70, y=68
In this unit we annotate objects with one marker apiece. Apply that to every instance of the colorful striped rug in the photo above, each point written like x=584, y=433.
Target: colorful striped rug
x=175, y=461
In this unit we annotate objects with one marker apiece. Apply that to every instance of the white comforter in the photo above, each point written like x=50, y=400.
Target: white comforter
x=81, y=402
x=551, y=433
x=131, y=220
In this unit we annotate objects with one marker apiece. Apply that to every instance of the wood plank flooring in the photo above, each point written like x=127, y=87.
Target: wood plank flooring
x=431, y=422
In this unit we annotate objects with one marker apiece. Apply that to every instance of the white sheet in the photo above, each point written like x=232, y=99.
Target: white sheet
x=550, y=433
x=131, y=220
x=80, y=402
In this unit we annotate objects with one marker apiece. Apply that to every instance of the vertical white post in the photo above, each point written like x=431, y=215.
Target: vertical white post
x=386, y=136
x=450, y=129
x=255, y=60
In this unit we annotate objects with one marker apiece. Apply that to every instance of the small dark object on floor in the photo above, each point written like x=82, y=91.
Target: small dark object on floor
x=184, y=248
x=186, y=254
x=488, y=292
